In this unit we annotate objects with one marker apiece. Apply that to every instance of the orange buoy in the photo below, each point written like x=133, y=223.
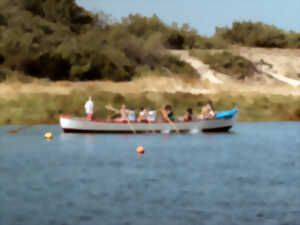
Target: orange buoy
x=140, y=150
x=48, y=135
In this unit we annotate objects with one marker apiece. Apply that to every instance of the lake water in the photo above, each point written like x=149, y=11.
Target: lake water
x=250, y=175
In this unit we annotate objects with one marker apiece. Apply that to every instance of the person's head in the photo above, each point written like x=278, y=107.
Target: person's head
x=210, y=105
x=190, y=111
x=142, y=108
x=123, y=106
x=90, y=98
x=168, y=108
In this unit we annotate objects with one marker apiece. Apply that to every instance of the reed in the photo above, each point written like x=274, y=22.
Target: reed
x=31, y=108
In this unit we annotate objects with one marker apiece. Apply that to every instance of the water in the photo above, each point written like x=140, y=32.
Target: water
x=248, y=176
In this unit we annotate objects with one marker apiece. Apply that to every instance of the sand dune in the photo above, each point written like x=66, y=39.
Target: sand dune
x=282, y=65
x=278, y=74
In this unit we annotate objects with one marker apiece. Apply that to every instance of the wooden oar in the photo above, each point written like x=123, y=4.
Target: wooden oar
x=25, y=126
x=151, y=127
x=150, y=124
x=173, y=125
x=131, y=126
x=37, y=123
x=110, y=107
x=170, y=121
x=20, y=128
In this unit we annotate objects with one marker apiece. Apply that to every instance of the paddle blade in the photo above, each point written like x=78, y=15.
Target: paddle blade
x=18, y=129
x=13, y=131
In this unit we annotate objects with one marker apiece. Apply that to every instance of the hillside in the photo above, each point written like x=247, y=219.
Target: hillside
x=59, y=40
x=261, y=67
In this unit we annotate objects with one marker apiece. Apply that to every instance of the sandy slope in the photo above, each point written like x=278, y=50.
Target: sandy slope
x=279, y=74
x=280, y=64
x=204, y=71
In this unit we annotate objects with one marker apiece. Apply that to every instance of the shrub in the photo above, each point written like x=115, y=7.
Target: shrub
x=254, y=34
x=2, y=75
x=227, y=63
x=60, y=40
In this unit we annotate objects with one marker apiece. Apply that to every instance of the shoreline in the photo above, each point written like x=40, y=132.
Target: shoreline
x=43, y=101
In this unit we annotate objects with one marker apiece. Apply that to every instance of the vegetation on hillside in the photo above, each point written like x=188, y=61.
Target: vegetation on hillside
x=225, y=62
x=259, y=35
x=59, y=40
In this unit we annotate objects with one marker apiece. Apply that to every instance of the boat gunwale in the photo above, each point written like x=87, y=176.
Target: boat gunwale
x=141, y=122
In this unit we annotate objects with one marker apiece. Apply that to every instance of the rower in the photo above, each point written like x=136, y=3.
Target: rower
x=131, y=115
x=142, y=115
x=189, y=115
x=207, y=111
x=123, y=112
x=167, y=113
x=152, y=115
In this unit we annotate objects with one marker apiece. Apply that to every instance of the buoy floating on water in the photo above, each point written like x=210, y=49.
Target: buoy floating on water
x=48, y=135
x=140, y=150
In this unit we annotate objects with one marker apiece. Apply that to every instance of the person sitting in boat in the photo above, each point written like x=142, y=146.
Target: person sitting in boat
x=131, y=115
x=123, y=113
x=142, y=115
x=151, y=115
x=167, y=113
x=207, y=111
x=188, y=115
x=89, y=108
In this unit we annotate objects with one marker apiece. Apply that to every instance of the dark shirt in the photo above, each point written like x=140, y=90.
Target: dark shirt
x=171, y=116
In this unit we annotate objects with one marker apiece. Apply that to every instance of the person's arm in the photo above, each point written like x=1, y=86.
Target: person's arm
x=109, y=107
x=139, y=119
x=164, y=113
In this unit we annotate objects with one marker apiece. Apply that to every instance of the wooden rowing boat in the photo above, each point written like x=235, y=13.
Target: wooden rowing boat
x=223, y=122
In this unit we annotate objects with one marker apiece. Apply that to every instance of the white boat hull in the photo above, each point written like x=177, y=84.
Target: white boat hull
x=69, y=124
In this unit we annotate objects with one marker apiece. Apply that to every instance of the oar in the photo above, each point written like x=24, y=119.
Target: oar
x=37, y=123
x=110, y=107
x=150, y=124
x=170, y=122
x=131, y=126
x=151, y=127
x=20, y=128
x=173, y=125
x=25, y=126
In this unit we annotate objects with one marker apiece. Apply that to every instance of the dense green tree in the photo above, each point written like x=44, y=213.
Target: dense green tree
x=59, y=40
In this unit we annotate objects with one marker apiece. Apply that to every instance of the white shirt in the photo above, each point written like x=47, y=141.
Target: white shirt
x=152, y=115
x=89, y=107
x=131, y=115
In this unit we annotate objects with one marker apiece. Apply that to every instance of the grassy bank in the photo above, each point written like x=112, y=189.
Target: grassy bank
x=46, y=108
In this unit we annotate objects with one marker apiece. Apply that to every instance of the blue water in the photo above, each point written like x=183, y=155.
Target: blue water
x=250, y=175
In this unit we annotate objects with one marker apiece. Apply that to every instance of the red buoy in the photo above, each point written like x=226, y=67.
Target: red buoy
x=140, y=150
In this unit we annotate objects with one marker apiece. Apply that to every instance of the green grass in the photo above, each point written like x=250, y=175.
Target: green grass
x=45, y=108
